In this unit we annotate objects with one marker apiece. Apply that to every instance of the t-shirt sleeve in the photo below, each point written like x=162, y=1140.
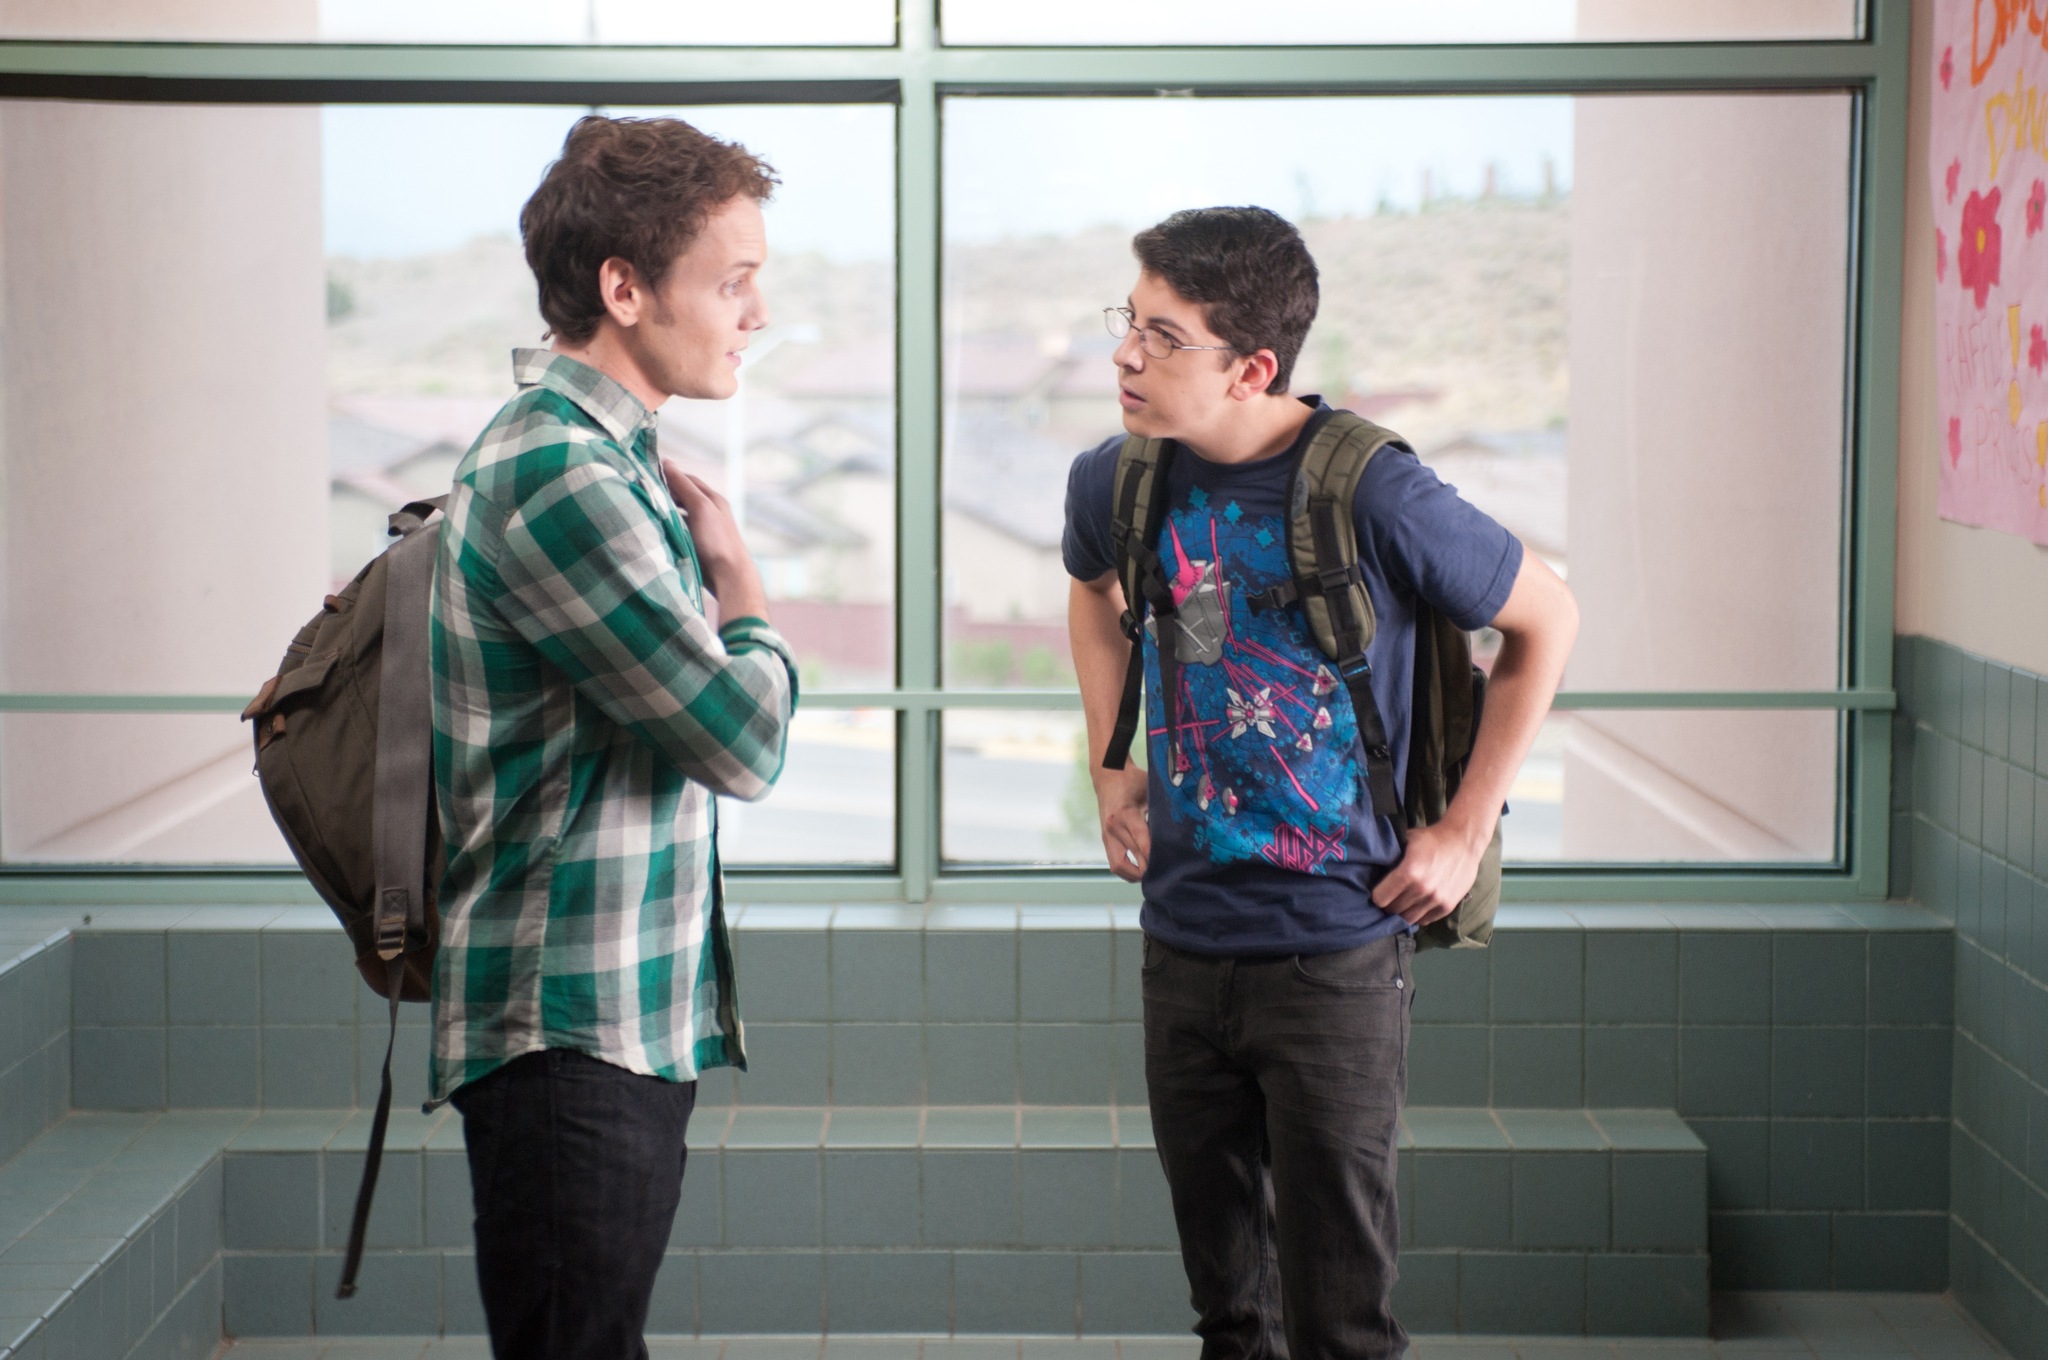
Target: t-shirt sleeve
x=1085, y=545
x=1432, y=540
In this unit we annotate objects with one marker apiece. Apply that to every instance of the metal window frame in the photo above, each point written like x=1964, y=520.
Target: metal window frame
x=915, y=76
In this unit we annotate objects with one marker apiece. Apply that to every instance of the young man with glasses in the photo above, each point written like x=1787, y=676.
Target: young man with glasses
x=585, y=713
x=1279, y=911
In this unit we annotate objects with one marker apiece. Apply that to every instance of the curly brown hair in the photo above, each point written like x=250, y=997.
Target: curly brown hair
x=638, y=189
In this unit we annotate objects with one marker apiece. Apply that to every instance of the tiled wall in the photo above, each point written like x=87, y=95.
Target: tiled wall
x=1808, y=1048
x=1971, y=809
x=35, y=1041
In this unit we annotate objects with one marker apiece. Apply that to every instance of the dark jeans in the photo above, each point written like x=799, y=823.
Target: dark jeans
x=1275, y=1086
x=576, y=1167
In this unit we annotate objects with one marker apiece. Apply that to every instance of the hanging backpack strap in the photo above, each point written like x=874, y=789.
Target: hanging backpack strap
x=399, y=810
x=1322, y=548
x=1137, y=508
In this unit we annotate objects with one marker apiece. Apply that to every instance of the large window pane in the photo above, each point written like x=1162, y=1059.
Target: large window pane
x=1635, y=360
x=288, y=321
x=1017, y=789
x=834, y=804
x=764, y=23
x=1089, y=23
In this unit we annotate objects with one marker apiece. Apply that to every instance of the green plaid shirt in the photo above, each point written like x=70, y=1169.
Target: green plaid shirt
x=584, y=715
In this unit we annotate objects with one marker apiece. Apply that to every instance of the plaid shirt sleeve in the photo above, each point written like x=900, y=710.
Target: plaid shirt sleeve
x=589, y=579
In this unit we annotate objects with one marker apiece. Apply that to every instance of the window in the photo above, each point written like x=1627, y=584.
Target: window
x=1614, y=267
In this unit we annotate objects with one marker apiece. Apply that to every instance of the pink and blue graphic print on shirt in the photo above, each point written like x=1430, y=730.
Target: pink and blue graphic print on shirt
x=1265, y=770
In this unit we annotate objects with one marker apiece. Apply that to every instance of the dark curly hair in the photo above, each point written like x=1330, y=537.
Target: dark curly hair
x=1248, y=268
x=636, y=188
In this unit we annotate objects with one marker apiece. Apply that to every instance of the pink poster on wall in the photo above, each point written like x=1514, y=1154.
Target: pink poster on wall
x=1987, y=166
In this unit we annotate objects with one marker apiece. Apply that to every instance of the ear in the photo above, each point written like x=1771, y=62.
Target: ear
x=1254, y=375
x=625, y=296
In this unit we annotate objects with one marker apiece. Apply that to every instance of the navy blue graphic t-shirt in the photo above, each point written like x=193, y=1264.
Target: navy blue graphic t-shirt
x=1266, y=842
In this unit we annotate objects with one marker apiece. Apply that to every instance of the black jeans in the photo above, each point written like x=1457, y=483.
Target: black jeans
x=1275, y=1088
x=576, y=1167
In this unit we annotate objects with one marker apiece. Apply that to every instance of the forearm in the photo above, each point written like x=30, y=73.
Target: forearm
x=1101, y=656
x=737, y=588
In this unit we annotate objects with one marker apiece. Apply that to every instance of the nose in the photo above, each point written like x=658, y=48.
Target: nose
x=757, y=315
x=1129, y=356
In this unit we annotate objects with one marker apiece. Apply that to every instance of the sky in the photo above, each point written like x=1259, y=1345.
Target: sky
x=409, y=180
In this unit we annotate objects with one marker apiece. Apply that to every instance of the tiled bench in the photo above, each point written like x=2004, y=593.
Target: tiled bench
x=1806, y=1047
x=111, y=1230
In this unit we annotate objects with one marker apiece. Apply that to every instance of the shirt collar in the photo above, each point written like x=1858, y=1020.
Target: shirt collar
x=603, y=399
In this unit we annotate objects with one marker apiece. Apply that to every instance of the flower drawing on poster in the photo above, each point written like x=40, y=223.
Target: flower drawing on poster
x=1987, y=180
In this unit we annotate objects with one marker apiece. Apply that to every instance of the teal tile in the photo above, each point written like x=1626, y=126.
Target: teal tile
x=1738, y=1162
x=1448, y=1064
x=1818, y=978
x=1538, y=1065
x=783, y=974
x=1907, y=1164
x=396, y=1216
x=1127, y=1063
x=1997, y=707
x=902, y=1292
x=1970, y=796
x=1551, y=1131
x=699, y=1221
x=1898, y=1253
x=1083, y=1128
x=1426, y=1295
x=1134, y=1127
x=1066, y=1198
x=1816, y=1164
x=447, y=1207
x=1522, y=1293
x=1063, y=1064
x=1632, y=1066
x=1457, y=1130
x=970, y=1128
x=1537, y=977
x=1660, y=1202
x=213, y=1067
x=1724, y=978
x=1632, y=976
x=1135, y=1294
x=873, y=1128
x=1451, y=986
x=1912, y=978
x=2019, y=818
x=1127, y=983
x=1646, y=1131
x=399, y=1295
x=308, y=978
x=1995, y=806
x=309, y=1067
x=1971, y=728
x=1908, y=1072
x=1817, y=1072
x=1770, y=1251
x=971, y=976
x=1636, y=1296
x=272, y=1201
x=118, y=978
x=969, y=1064
x=1464, y=1199
x=1560, y=1200
x=267, y=1295
x=1724, y=1071
x=117, y=1069
x=212, y=978
x=1064, y=975
x=762, y=1292
x=1144, y=1206
x=1016, y=1293
x=786, y=1065
x=775, y=1198
x=877, y=1064
x=672, y=1309
x=877, y=974
x=970, y=1198
x=2030, y=715
x=784, y=1129
x=289, y=1131
x=871, y=1198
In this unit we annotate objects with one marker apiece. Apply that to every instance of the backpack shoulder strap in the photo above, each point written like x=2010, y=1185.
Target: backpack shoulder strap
x=1137, y=504
x=1322, y=550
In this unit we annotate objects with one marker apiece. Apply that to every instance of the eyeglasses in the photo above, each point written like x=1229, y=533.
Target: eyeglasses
x=1122, y=321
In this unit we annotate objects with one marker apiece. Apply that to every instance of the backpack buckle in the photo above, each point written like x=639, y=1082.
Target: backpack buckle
x=1333, y=580
x=391, y=921
x=1357, y=668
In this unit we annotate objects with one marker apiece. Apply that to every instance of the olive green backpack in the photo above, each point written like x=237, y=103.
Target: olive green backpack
x=1329, y=589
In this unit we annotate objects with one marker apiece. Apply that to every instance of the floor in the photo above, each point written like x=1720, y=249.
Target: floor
x=1746, y=1327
